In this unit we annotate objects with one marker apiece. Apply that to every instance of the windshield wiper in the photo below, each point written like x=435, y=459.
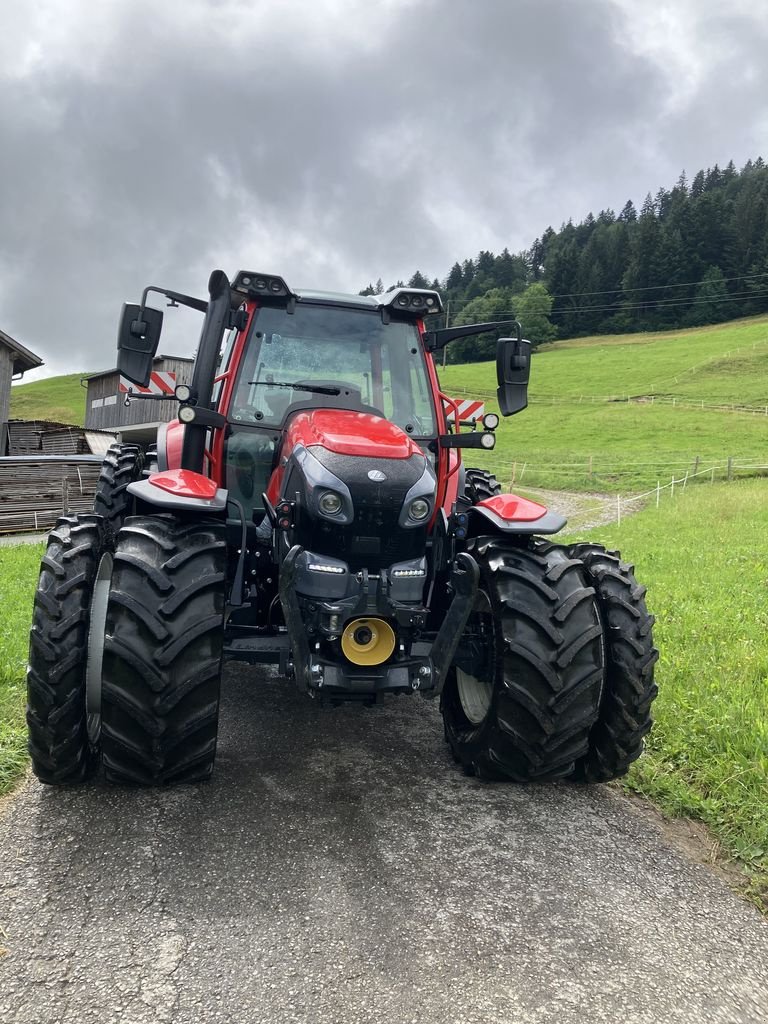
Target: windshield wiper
x=318, y=390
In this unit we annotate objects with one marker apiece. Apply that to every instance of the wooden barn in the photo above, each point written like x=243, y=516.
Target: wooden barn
x=106, y=407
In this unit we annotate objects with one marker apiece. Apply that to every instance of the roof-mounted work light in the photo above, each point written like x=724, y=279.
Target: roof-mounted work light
x=415, y=302
x=267, y=289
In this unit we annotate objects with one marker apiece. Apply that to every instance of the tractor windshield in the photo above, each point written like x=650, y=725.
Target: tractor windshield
x=326, y=356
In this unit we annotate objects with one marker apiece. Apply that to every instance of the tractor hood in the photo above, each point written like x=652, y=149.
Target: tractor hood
x=345, y=432
x=364, y=488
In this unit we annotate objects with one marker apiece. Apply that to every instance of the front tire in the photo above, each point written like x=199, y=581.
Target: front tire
x=162, y=653
x=58, y=650
x=625, y=715
x=524, y=691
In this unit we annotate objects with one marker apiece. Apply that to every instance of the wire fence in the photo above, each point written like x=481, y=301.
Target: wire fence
x=615, y=507
x=673, y=401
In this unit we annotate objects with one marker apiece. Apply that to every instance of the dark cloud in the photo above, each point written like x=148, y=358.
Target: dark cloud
x=333, y=142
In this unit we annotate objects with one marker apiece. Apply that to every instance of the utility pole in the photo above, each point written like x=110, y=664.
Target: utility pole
x=447, y=317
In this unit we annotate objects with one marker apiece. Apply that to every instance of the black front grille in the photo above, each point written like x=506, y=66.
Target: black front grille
x=373, y=541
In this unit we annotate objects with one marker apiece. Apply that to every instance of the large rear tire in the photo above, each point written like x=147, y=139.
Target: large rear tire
x=524, y=691
x=162, y=653
x=58, y=650
x=625, y=714
x=479, y=484
x=122, y=465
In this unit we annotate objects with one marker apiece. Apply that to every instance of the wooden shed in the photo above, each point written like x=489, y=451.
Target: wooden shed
x=106, y=407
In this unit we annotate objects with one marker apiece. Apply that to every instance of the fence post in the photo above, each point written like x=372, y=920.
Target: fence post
x=523, y=470
x=658, y=492
x=696, y=462
x=672, y=488
x=618, y=510
x=685, y=481
x=730, y=467
x=674, y=402
x=712, y=480
x=514, y=471
x=590, y=467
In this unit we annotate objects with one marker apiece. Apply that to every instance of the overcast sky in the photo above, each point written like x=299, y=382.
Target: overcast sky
x=336, y=141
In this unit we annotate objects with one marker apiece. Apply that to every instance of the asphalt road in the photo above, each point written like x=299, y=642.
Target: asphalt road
x=340, y=868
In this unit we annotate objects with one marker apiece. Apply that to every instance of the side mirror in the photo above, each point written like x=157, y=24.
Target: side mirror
x=137, y=339
x=513, y=368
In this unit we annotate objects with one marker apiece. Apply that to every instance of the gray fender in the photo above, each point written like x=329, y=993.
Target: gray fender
x=145, y=491
x=480, y=519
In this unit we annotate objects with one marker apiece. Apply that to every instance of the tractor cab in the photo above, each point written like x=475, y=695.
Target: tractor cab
x=320, y=355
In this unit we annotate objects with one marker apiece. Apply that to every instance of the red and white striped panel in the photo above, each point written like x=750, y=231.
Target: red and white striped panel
x=160, y=383
x=469, y=408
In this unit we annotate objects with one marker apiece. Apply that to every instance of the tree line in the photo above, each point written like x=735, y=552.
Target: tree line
x=695, y=254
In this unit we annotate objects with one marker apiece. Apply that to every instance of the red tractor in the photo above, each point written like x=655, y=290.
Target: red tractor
x=309, y=508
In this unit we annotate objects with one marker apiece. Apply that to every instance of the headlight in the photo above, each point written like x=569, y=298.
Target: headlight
x=418, y=509
x=330, y=503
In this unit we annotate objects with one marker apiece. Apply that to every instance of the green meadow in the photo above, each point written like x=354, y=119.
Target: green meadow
x=573, y=436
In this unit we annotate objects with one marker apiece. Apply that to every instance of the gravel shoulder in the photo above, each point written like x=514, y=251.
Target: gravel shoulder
x=340, y=868
x=584, y=510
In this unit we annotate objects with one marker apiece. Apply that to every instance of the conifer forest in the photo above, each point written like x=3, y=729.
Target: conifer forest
x=694, y=254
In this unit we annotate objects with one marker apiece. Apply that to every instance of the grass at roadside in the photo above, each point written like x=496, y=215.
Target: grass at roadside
x=18, y=577
x=704, y=560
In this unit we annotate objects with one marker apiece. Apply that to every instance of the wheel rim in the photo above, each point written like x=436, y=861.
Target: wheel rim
x=475, y=694
x=96, y=631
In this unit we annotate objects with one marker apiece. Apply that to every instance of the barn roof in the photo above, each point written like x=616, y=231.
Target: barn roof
x=23, y=359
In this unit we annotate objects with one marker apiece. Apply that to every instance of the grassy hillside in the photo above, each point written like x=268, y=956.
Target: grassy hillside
x=58, y=398
x=631, y=445
x=685, y=362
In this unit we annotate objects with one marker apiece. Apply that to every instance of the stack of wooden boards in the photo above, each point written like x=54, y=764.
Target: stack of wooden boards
x=34, y=492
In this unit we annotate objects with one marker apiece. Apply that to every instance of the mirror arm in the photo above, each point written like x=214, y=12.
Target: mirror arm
x=435, y=340
x=177, y=299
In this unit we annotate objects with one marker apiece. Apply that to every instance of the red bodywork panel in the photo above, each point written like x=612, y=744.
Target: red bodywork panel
x=350, y=433
x=174, y=441
x=184, y=483
x=513, y=509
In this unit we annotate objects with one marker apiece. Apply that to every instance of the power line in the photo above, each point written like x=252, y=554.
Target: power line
x=644, y=288
x=663, y=303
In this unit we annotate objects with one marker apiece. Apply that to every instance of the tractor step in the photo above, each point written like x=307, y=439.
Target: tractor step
x=257, y=650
